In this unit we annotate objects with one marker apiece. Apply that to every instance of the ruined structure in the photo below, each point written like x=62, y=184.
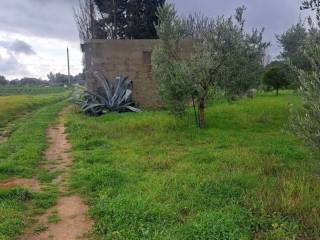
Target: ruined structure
x=131, y=58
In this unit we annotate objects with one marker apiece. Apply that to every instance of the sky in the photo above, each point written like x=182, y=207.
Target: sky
x=34, y=34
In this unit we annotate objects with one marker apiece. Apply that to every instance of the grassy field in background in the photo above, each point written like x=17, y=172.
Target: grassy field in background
x=20, y=156
x=12, y=107
x=150, y=176
x=8, y=90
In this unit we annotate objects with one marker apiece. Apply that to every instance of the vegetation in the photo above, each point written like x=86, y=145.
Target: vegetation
x=57, y=79
x=109, y=19
x=293, y=46
x=314, y=5
x=276, y=76
x=306, y=124
x=112, y=96
x=224, y=57
x=11, y=107
x=20, y=156
x=151, y=176
x=8, y=90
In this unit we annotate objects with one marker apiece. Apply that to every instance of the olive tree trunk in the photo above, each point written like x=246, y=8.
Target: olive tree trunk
x=202, y=113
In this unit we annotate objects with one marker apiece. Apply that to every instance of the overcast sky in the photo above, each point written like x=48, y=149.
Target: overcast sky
x=34, y=34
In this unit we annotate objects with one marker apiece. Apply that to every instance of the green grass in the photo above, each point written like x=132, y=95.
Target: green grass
x=13, y=107
x=8, y=90
x=150, y=176
x=19, y=157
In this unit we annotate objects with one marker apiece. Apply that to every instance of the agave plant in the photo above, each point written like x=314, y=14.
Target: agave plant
x=112, y=96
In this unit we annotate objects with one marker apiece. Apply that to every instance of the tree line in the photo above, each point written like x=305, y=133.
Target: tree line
x=54, y=79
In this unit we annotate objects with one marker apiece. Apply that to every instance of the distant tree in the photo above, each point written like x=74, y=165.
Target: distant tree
x=31, y=81
x=276, y=76
x=78, y=79
x=63, y=79
x=293, y=45
x=58, y=79
x=3, y=80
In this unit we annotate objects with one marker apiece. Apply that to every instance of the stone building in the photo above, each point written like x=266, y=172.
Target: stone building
x=130, y=58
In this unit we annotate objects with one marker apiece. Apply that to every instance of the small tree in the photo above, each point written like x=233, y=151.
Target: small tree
x=181, y=80
x=275, y=77
x=224, y=56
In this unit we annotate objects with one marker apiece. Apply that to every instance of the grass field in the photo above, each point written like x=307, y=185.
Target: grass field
x=149, y=176
x=13, y=107
x=8, y=90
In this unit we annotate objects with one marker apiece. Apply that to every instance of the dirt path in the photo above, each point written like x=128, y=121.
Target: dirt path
x=70, y=211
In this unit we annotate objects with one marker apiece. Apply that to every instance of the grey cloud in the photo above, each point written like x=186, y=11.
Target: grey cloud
x=54, y=18
x=11, y=66
x=18, y=47
x=276, y=16
x=43, y=18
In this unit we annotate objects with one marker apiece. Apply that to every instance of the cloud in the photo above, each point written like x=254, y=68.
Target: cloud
x=276, y=16
x=18, y=47
x=10, y=65
x=42, y=18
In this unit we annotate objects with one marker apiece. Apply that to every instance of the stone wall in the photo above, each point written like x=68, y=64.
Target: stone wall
x=131, y=58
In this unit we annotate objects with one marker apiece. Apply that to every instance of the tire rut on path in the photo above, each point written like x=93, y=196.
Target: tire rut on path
x=71, y=210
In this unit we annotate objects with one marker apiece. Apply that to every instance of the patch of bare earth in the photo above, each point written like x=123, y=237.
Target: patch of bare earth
x=31, y=184
x=71, y=211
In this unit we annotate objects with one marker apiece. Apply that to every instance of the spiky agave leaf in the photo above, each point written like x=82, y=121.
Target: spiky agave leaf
x=115, y=96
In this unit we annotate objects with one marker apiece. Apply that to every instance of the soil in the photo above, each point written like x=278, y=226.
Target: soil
x=31, y=184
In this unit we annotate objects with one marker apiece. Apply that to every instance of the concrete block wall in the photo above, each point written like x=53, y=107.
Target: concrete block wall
x=131, y=58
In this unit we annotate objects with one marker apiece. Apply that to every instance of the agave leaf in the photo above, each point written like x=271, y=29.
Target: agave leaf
x=90, y=106
x=133, y=109
x=106, y=86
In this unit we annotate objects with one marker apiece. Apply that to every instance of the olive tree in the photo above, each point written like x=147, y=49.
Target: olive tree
x=224, y=56
x=306, y=124
x=168, y=69
x=182, y=80
x=276, y=76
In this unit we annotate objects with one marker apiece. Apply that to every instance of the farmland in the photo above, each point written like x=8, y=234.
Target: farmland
x=7, y=90
x=152, y=176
